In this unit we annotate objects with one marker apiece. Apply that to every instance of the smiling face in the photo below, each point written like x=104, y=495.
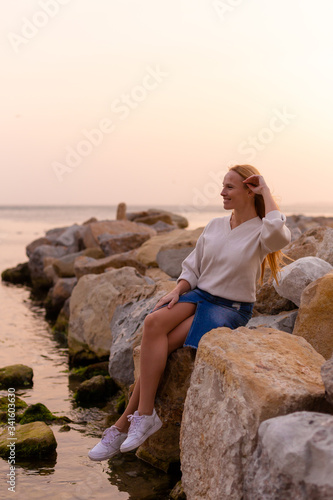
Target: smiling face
x=235, y=194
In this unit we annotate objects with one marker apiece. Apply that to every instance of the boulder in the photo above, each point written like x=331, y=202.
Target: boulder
x=29, y=249
x=170, y=260
x=95, y=390
x=87, y=265
x=293, y=459
x=36, y=264
x=16, y=376
x=40, y=413
x=60, y=328
x=176, y=219
x=90, y=232
x=268, y=301
x=64, y=267
x=241, y=377
x=315, y=317
x=296, y=276
x=69, y=238
x=126, y=326
x=34, y=440
x=327, y=375
x=151, y=219
x=20, y=407
x=112, y=244
x=162, y=448
x=121, y=211
x=315, y=242
x=92, y=305
x=163, y=281
x=18, y=275
x=284, y=321
x=58, y=295
x=179, y=238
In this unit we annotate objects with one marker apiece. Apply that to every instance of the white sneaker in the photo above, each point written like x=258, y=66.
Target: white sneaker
x=109, y=445
x=142, y=426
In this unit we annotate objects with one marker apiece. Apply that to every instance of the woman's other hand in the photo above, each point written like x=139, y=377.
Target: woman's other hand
x=170, y=298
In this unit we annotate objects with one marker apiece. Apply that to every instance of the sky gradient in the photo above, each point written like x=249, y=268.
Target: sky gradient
x=149, y=102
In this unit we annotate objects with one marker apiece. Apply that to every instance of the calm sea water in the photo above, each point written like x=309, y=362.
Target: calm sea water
x=26, y=338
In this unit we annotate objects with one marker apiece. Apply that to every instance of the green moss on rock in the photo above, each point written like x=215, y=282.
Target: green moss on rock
x=20, y=405
x=32, y=440
x=16, y=376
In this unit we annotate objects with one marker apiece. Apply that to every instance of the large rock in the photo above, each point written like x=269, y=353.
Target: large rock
x=87, y=265
x=268, y=301
x=19, y=274
x=179, y=238
x=316, y=242
x=295, y=277
x=293, y=459
x=126, y=326
x=162, y=449
x=176, y=219
x=241, y=378
x=58, y=295
x=64, y=267
x=170, y=260
x=37, y=264
x=284, y=321
x=16, y=376
x=112, y=244
x=89, y=234
x=92, y=305
x=34, y=440
x=327, y=375
x=69, y=238
x=315, y=317
x=95, y=390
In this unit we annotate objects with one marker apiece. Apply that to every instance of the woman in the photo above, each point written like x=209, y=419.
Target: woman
x=217, y=287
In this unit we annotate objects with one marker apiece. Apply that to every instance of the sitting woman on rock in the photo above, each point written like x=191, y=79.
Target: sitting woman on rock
x=217, y=287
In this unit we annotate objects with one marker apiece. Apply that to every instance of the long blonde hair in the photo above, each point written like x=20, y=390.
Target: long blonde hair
x=274, y=259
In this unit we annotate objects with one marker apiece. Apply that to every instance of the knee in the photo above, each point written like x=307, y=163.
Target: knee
x=152, y=325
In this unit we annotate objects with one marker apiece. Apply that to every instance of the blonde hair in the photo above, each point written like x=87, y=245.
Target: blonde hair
x=274, y=259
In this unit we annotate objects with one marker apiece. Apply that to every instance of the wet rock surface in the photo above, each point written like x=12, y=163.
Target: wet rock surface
x=16, y=376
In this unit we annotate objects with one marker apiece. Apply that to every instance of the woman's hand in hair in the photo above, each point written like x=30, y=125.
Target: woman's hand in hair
x=256, y=183
x=170, y=298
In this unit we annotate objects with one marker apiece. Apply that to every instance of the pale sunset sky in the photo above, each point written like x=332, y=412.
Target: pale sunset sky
x=149, y=102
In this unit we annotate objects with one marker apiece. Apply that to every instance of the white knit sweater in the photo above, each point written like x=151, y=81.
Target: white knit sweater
x=227, y=262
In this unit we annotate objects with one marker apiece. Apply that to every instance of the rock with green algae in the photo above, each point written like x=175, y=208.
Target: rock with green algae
x=15, y=376
x=20, y=406
x=32, y=440
x=39, y=412
x=95, y=390
x=18, y=275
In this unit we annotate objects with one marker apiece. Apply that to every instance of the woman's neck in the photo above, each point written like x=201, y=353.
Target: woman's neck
x=238, y=217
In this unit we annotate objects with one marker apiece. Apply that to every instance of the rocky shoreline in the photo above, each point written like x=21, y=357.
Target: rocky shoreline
x=224, y=405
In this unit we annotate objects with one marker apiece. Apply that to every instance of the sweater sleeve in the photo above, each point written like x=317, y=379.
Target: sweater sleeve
x=275, y=234
x=191, y=265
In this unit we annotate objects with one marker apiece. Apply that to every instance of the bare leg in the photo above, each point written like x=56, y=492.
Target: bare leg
x=155, y=349
x=175, y=339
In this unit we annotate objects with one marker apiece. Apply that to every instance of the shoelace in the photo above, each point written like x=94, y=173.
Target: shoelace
x=108, y=434
x=135, y=421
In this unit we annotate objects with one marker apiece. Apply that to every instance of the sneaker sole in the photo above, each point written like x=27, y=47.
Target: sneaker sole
x=149, y=432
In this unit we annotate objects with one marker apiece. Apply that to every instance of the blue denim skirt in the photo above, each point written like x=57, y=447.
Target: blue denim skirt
x=213, y=312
